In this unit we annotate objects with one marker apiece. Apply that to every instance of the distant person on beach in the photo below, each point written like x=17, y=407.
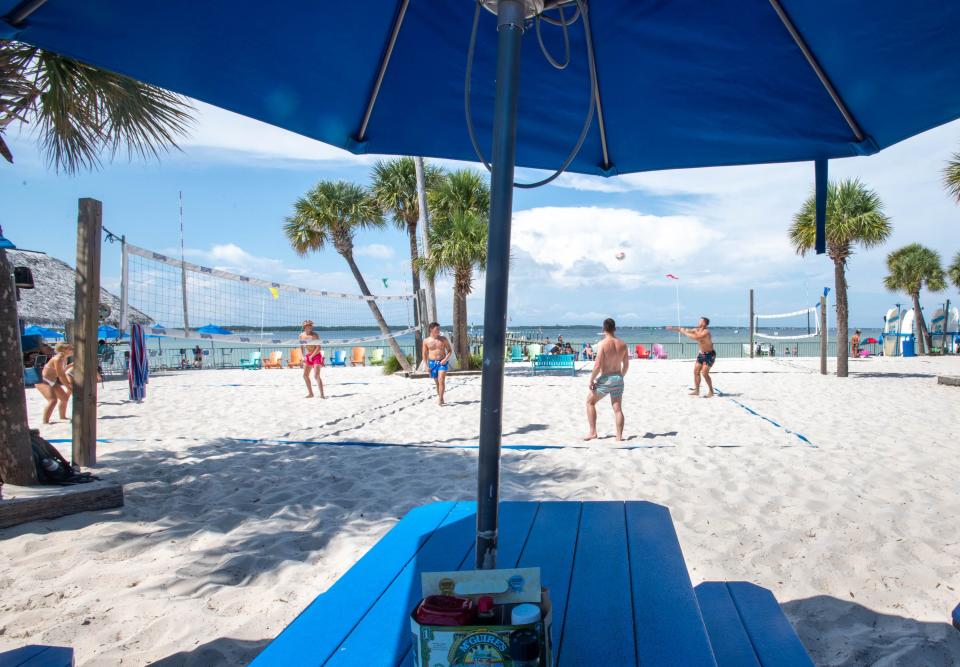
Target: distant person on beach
x=855, y=344
x=56, y=383
x=705, y=357
x=588, y=353
x=437, y=351
x=312, y=357
x=609, y=369
x=197, y=357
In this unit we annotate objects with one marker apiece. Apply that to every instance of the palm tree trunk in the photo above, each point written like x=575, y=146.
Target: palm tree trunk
x=418, y=311
x=457, y=304
x=463, y=351
x=378, y=316
x=16, y=457
x=923, y=336
x=843, y=343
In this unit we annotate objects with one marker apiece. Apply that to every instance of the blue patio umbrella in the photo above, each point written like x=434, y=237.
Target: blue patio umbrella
x=642, y=86
x=107, y=331
x=48, y=334
x=214, y=329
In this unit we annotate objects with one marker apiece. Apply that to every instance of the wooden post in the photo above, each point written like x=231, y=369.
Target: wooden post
x=823, y=335
x=86, y=316
x=751, y=324
x=16, y=456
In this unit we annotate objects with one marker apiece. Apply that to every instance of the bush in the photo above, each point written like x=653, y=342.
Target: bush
x=391, y=365
x=476, y=362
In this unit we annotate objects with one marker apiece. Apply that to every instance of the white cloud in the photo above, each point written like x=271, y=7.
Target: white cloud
x=374, y=250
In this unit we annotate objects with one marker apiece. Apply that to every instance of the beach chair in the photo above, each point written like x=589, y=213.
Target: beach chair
x=339, y=358
x=658, y=351
x=533, y=349
x=642, y=352
x=275, y=360
x=253, y=363
x=296, y=358
x=358, y=356
x=376, y=357
x=516, y=353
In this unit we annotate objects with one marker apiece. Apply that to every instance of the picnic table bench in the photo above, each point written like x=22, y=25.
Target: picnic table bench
x=618, y=583
x=553, y=362
x=36, y=655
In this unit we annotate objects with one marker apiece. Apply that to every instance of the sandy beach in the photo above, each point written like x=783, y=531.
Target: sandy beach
x=244, y=500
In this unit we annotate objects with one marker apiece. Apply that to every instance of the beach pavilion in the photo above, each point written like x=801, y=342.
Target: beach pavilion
x=608, y=87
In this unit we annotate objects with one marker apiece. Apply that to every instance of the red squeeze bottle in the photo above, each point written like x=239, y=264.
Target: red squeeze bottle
x=485, y=611
x=445, y=610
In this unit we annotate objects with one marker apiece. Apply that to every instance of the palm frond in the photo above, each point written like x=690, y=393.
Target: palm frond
x=951, y=177
x=913, y=267
x=954, y=271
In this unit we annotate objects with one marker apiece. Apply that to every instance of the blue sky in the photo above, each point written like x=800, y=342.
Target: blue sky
x=722, y=231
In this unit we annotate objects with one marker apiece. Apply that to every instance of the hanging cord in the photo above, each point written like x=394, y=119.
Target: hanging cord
x=566, y=42
x=581, y=12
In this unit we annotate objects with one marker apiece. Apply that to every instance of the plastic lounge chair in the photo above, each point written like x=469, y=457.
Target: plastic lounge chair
x=658, y=351
x=253, y=363
x=376, y=357
x=339, y=358
x=296, y=358
x=358, y=356
x=275, y=360
x=642, y=352
x=533, y=349
x=516, y=353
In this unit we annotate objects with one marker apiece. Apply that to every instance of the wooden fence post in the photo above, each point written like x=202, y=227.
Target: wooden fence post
x=16, y=457
x=86, y=319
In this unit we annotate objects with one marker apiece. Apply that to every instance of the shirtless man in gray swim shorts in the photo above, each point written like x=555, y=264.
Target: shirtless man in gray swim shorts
x=607, y=378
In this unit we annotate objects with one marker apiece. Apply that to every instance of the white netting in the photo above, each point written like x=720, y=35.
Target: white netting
x=224, y=306
x=796, y=325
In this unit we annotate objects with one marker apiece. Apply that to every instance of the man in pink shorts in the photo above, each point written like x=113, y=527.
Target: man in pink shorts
x=312, y=357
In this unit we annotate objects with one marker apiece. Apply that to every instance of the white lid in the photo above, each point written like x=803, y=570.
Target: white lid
x=524, y=614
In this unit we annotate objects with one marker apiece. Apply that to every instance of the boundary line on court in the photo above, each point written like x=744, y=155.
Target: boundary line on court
x=799, y=436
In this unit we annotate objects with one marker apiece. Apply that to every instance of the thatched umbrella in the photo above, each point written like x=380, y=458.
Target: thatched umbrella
x=50, y=303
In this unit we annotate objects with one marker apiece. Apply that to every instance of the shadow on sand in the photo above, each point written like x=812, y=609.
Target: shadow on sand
x=841, y=632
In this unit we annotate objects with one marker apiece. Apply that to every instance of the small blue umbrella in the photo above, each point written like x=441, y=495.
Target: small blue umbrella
x=48, y=334
x=107, y=331
x=214, y=329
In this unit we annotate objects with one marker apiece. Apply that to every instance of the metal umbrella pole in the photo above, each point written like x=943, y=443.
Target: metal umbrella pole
x=510, y=21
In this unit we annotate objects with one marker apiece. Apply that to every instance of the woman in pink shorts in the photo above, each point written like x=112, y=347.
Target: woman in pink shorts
x=312, y=357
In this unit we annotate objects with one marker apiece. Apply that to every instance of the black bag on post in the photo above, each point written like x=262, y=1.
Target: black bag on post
x=52, y=468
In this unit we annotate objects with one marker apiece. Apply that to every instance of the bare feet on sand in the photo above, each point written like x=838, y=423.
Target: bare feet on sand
x=708, y=395
x=590, y=436
x=694, y=392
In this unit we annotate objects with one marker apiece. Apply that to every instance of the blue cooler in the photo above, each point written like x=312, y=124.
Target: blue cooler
x=909, y=346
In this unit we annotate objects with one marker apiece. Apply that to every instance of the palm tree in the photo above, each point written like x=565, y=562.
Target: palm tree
x=458, y=242
x=953, y=271
x=951, y=177
x=395, y=188
x=457, y=245
x=332, y=212
x=911, y=268
x=82, y=111
x=854, y=215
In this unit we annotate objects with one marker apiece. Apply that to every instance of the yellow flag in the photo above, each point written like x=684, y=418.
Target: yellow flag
x=275, y=292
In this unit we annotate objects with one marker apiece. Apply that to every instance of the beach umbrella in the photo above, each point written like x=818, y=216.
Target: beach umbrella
x=107, y=331
x=214, y=329
x=609, y=87
x=871, y=341
x=47, y=334
x=139, y=371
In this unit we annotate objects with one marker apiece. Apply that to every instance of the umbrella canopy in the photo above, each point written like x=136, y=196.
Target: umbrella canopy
x=214, y=329
x=107, y=331
x=871, y=341
x=48, y=334
x=683, y=83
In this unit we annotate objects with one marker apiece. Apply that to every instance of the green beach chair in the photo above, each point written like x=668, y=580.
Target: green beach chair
x=376, y=357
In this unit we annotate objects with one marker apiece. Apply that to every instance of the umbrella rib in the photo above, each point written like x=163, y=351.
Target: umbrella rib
x=384, y=62
x=19, y=14
x=815, y=65
x=601, y=125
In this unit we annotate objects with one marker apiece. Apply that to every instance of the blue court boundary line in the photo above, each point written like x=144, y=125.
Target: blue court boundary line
x=378, y=445
x=800, y=436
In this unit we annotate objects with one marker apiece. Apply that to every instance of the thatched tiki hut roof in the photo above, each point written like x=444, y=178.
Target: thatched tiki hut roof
x=50, y=303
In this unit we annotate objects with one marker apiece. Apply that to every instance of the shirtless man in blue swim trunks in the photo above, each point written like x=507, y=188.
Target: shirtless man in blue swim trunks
x=705, y=357
x=437, y=351
x=609, y=368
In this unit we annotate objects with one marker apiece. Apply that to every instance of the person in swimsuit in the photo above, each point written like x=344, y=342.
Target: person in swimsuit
x=312, y=357
x=609, y=369
x=706, y=356
x=56, y=383
x=437, y=350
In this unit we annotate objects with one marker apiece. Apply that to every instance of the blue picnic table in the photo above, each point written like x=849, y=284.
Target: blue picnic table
x=618, y=584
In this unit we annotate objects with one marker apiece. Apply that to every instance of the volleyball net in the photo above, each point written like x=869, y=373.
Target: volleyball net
x=796, y=325
x=180, y=299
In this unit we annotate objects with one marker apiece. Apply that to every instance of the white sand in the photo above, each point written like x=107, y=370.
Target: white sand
x=223, y=542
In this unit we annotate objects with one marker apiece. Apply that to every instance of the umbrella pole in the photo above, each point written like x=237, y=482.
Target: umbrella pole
x=510, y=20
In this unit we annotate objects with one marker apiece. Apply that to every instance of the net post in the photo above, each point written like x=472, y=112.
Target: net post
x=823, y=335
x=124, y=284
x=86, y=317
x=751, y=324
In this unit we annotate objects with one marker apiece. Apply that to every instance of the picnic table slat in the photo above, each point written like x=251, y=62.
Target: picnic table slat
x=315, y=634
x=598, y=628
x=383, y=636
x=668, y=625
x=772, y=636
x=38, y=655
x=729, y=639
x=552, y=541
